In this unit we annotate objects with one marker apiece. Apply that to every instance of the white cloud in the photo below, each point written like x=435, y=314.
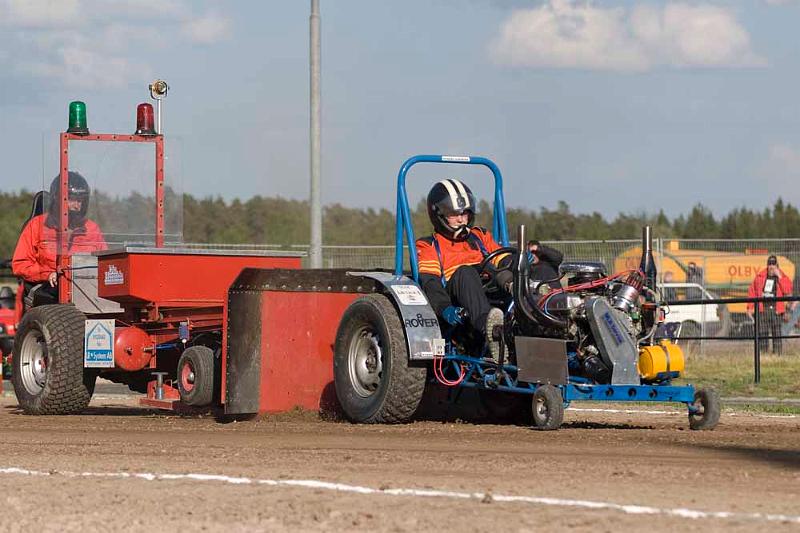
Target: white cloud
x=207, y=29
x=76, y=61
x=93, y=43
x=583, y=35
x=39, y=14
x=783, y=159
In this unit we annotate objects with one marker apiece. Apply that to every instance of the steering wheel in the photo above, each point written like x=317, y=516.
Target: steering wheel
x=489, y=275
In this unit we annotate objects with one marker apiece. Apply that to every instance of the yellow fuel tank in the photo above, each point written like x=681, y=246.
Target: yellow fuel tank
x=661, y=361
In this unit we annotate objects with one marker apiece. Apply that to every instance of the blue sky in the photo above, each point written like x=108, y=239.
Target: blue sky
x=615, y=106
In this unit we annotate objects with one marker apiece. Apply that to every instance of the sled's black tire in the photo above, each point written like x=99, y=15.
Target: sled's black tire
x=375, y=383
x=708, y=404
x=548, y=408
x=196, y=389
x=63, y=387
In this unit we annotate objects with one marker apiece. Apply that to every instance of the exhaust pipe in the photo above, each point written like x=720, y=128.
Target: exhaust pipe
x=528, y=308
x=648, y=265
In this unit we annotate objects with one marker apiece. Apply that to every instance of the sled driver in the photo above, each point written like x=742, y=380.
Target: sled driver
x=35, y=255
x=449, y=262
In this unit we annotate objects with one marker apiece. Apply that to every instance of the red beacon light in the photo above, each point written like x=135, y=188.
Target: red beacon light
x=145, y=123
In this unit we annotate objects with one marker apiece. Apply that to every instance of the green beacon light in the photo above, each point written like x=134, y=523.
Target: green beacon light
x=77, y=118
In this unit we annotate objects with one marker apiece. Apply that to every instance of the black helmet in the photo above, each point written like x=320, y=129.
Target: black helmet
x=78, y=189
x=451, y=197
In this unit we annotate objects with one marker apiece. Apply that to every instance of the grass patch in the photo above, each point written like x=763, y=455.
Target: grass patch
x=774, y=409
x=732, y=374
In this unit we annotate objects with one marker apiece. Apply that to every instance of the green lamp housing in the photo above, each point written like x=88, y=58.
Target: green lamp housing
x=77, y=118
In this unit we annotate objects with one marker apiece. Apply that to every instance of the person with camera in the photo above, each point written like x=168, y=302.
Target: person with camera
x=770, y=282
x=544, y=262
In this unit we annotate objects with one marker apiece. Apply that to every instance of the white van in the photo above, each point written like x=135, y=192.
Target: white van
x=693, y=320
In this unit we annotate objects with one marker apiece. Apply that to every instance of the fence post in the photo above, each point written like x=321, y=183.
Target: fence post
x=756, y=344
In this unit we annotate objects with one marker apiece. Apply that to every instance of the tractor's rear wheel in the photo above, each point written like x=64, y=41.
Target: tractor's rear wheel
x=374, y=381
x=48, y=373
x=196, y=376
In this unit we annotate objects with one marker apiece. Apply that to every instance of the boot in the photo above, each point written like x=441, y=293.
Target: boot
x=493, y=320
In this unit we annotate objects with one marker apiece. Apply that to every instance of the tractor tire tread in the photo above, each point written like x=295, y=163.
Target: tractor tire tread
x=405, y=383
x=68, y=389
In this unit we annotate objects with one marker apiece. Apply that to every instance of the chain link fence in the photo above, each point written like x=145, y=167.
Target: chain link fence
x=688, y=269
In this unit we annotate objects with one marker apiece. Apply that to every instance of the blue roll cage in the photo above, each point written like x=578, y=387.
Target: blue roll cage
x=404, y=226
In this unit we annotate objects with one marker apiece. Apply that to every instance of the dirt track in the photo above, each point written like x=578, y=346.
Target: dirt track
x=749, y=466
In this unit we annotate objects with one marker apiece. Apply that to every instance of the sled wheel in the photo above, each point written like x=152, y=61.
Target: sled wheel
x=548, y=408
x=705, y=410
x=374, y=381
x=48, y=373
x=196, y=376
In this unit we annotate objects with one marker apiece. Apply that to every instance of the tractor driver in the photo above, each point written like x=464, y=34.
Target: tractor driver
x=449, y=259
x=35, y=255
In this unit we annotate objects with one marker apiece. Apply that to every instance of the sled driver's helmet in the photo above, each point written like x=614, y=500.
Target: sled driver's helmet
x=78, y=189
x=451, y=197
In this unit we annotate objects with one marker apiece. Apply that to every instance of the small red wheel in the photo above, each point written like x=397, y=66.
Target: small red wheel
x=196, y=376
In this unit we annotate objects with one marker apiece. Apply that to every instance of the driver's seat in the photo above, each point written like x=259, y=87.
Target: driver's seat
x=38, y=206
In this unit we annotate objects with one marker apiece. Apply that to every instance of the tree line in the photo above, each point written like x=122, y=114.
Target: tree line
x=261, y=220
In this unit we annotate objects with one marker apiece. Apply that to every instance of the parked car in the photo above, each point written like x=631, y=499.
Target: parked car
x=693, y=320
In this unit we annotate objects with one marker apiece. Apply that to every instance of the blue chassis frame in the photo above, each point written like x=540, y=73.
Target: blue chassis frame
x=479, y=374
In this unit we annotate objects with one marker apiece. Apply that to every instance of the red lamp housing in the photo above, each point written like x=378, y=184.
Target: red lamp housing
x=145, y=123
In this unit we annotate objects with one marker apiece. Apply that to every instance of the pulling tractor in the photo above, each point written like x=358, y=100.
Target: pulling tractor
x=591, y=340
x=249, y=331
x=149, y=315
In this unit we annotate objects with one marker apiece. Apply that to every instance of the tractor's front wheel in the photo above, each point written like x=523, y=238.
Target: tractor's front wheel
x=705, y=410
x=374, y=381
x=548, y=408
x=48, y=373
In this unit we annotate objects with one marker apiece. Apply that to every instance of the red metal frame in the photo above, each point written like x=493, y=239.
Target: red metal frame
x=62, y=257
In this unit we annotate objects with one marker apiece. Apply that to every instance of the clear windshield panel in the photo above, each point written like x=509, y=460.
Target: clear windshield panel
x=121, y=178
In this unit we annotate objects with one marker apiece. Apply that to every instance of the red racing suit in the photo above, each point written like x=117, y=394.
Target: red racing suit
x=453, y=253
x=783, y=288
x=443, y=280
x=35, y=255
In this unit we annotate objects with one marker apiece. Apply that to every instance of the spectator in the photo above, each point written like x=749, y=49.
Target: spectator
x=544, y=262
x=770, y=282
x=669, y=294
x=694, y=274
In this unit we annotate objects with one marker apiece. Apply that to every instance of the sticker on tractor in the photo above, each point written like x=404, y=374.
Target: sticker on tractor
x=409, y=295
x=98, y=344
x=113, y=276
x=438, y=347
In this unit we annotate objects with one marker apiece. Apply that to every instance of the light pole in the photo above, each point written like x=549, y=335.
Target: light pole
x=315, y=251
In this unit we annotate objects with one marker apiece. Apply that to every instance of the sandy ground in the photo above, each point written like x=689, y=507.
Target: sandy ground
x=748, y=467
